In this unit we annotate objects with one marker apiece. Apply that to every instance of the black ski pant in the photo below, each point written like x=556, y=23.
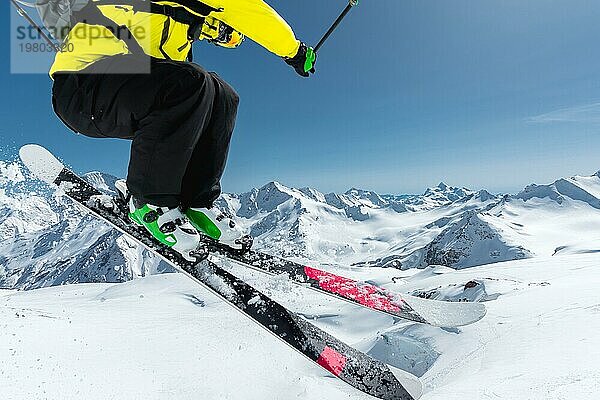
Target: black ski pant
x=179, y=117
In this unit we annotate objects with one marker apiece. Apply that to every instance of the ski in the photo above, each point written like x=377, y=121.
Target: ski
x=348, y=364
x=432, y=312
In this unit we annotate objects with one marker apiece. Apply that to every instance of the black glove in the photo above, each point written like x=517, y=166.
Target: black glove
x=304, y=61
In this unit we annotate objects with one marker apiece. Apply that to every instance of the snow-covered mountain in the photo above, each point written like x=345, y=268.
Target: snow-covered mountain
x=356, y=227
x=455, y=227
x=46, y=241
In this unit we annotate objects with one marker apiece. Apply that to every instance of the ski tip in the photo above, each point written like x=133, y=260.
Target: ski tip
x=41, y=162
x=444, y=313
x=411, y=383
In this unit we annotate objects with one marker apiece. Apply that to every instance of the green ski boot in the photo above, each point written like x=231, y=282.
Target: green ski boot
x=220, y=227
x=167, y=225
x=203, y=223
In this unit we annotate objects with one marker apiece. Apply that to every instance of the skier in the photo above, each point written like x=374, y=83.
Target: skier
x=126, y=72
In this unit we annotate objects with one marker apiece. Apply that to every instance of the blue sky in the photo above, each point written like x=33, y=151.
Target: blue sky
x=486, y=94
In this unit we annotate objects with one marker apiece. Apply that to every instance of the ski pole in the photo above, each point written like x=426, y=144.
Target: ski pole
x=339, y=19
x=24, y=14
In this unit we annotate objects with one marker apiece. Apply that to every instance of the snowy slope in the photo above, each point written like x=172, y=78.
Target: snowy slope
x=162, y=337
x=156, y=338
x=539, y=339
x=471, y=241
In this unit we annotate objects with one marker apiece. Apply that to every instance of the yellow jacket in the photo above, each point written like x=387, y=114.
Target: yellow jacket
x=166, y=37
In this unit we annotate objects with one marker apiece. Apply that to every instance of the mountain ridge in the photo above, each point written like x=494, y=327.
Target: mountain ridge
x=46, y=241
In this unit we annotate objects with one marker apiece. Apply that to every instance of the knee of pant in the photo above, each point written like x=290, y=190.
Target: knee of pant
x=230, y=95
x=193, y=81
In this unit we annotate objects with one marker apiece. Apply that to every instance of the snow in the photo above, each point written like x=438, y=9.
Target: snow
x=539, y=339
x=454, y=226
x=542, y=225
x=10, y=173
x=46, y=241
x=163, y=337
